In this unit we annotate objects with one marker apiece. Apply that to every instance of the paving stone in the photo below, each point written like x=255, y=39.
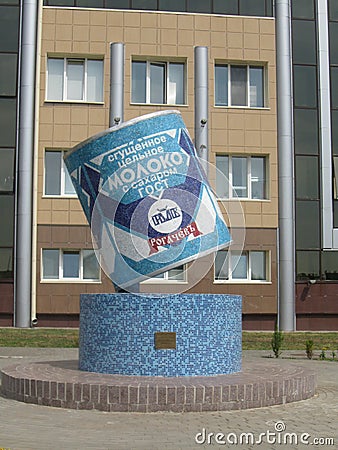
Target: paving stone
x=32, y=426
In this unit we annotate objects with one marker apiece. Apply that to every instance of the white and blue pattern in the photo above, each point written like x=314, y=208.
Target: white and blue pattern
x=125, y=172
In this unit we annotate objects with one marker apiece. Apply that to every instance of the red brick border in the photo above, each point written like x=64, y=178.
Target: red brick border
x=60, y=384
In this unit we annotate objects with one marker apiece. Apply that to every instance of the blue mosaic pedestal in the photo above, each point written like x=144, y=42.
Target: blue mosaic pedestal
x=117, y=334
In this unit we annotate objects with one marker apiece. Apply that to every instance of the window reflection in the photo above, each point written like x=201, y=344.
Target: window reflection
x=305, y=86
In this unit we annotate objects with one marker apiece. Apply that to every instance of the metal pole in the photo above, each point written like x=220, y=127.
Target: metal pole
x=116, y=84
x=287, y=320
x=23, y=250
x=201, y=105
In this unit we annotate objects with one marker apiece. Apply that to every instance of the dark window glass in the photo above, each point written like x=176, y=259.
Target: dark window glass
x=9, y=2
x=52, y=173
x=306, y=131
x=258, y=177
x=334, y=87
x=307, y=177
x=222, y=176
x=90, y=3
x=7, y=122
x=330, y=265
x=71, y=261
x=8, y=65
x=252, y=7
x=221, y=265
x=335, y=213
x=303, y=9
x=61, y=2
x=171, y=5
x=240, y=175
x=9, y=28
x=225, y=6
x=334, y=127
x=199, y=6
x=258, y=265
x=7, y=220
x=333, y=27
x=333, y=9
x=303, y=42
x=144, y=4
x=221, y=85
x=307, y=224
x=6, y=169
x=305, y=86
x=256, y=76
x=6, y=263
x=117, y=4
x=176, y=93
x=50, y=264
x=157, y=83
x=269, y=8
x=238, y=85
x=139, y=79
x=307, y=265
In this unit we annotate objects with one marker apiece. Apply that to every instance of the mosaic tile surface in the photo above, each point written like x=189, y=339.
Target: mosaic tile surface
x=117, y=334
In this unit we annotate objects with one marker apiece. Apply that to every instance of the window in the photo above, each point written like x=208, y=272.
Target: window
x=57, y=179
x=246, y=266
x=307, y=224
x=178, y=274
x=239, y=85
x=7, y=220
x=72, y=265
x=7, y=122
x=305, y=86
x=158, y=82
x=303, y=9
x=335, y=177
x=8, y=68
x=242, y=176
x=6, y=169
x=75, y=80
x=303, y=42
x=6, y=263
x=9, y=28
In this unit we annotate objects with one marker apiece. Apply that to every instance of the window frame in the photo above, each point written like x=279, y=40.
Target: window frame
x=65, y=79
x=166, y=64
x=62, y=175
x=166, y=279
x=248, y=279
x=61, y=278
x=249, y=178
x=247, y=93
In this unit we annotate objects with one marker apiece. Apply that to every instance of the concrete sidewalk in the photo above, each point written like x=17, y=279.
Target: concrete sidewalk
x=25, y=426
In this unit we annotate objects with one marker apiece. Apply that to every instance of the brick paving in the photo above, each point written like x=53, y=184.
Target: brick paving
x=30, y=426
x=60, y=384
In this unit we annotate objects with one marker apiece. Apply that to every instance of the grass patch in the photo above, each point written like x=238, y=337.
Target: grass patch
x=39, y=337
x=252, y=340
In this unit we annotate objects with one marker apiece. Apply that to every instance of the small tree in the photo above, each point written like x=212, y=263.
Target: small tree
x=276, y=341
x=309, y=348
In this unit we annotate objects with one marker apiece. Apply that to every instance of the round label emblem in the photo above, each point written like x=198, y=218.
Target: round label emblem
x=165, y=216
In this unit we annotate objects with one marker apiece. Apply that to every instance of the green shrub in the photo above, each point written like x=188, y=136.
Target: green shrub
x=309, y=348
x=276, y=341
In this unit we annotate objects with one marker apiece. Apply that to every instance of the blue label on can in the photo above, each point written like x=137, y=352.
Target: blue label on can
x=146, y=198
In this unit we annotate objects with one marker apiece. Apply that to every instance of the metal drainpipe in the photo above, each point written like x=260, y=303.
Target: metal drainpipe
x=23, y=248
x=116, y=106
x=287, y=320
x=201, y=105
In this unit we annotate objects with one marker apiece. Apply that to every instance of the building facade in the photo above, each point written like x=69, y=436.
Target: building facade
x=72, y=96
